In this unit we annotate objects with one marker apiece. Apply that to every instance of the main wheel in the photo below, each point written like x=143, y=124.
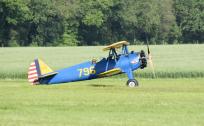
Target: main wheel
x=132, y=83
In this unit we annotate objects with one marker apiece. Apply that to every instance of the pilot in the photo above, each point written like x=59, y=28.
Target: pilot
x=94, y=60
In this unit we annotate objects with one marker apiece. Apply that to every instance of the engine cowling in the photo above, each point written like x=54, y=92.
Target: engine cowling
x=143, y=60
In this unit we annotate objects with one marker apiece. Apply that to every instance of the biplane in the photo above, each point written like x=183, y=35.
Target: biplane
x=117, y=62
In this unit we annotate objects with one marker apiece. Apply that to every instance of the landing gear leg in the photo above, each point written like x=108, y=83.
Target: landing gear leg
x=132, y=83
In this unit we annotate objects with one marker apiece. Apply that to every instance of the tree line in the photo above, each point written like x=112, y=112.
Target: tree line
x=99, y=22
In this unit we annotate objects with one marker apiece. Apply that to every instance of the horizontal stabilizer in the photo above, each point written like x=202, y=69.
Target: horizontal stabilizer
x=48, y=74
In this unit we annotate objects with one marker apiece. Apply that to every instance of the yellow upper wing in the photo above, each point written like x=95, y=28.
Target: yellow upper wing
x=116, y=45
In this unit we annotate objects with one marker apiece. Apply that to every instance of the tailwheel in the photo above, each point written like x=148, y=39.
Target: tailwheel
x=132, y=83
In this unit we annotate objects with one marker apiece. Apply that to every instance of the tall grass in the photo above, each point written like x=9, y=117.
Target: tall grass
x=170, y=61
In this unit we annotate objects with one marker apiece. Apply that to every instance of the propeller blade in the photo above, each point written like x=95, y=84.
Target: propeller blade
x=151, y=65
x=150, y=60
x=148, y=51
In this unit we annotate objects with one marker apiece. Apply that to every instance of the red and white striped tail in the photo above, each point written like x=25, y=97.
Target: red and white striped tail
x=33, y=74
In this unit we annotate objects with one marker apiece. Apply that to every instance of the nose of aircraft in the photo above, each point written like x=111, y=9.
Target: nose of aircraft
x=143, y=59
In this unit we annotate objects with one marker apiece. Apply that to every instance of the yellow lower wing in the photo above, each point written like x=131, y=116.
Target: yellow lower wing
x=110, y=72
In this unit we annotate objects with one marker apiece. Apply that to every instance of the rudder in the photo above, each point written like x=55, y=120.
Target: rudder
x=36, y=70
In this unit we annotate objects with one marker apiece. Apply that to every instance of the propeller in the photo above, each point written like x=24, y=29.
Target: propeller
x=150, y=60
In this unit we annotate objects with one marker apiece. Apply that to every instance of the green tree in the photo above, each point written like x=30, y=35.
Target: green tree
x=12, y=14
x=47, y=25
x=190, y=18
x=169, y=31
x=141, y=19
x=92, y=17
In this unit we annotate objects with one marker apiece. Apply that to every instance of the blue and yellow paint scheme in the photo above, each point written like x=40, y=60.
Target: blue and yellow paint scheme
x=116, y=63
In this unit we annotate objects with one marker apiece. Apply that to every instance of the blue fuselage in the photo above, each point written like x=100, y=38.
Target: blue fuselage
x=90, y=70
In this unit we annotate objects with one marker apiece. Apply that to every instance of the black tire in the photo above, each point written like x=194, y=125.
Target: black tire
x=132, y=83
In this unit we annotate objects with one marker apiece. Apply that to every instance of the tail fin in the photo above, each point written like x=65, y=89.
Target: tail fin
x=43, y=68
x=38, y=69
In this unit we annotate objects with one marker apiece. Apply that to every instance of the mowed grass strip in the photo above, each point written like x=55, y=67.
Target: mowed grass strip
x=166, y=102
x=170, y=61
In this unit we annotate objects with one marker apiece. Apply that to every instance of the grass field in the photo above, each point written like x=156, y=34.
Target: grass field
x=171, y=61
x=175, y=98
x=157, y=102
